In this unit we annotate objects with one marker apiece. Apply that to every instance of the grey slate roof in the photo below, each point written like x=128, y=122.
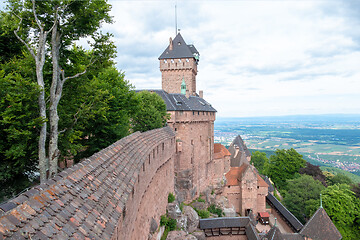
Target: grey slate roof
x=274, y=234
x=225, y=222
x=271, y=187
x=179, y=102
x=251, y=232
x=295, y=223
x=237, y=159
x=320, y=227
x=180, y=49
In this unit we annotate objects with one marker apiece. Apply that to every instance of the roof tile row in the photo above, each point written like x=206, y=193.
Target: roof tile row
x=84, y=201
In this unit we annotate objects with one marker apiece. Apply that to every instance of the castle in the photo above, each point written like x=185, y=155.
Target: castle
x=121, y=191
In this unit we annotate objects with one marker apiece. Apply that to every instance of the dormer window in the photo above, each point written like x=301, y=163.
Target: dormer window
x=179, y=43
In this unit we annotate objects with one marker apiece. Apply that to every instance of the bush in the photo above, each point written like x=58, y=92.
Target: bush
x=171, y=198
x=215, y=210
x=163, y=220
x=203, y=213
x=169, y=223
x=199, y=199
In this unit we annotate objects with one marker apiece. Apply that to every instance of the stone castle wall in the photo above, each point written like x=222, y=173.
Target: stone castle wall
x=174, y=70
x=114, y=194
x=195, y=134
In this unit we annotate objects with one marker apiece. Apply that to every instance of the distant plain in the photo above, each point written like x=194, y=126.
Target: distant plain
x=326, y=140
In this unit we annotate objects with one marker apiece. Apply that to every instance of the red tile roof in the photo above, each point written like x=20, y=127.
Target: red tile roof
x=220, y=151
x=86, y=200
x=234, y=175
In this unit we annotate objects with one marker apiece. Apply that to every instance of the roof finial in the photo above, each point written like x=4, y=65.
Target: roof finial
x=320, y=201
x=175, y=20
x=275, y=222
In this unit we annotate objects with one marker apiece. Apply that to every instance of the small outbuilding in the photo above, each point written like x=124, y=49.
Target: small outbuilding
x=263, y=218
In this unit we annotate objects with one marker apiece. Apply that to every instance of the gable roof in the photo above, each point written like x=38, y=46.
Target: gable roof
x=261, y=182
x=274, y=234
x=320, y=227
x=223, y=222
x=233, y=176
x=238, y=157
x=180, y=49
x=220, y=151
x=179, y=102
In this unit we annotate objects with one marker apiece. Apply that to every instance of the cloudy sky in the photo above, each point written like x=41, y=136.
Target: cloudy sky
x=257, y=58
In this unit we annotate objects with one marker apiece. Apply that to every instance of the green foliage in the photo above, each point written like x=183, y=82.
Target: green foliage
x=314, y=171
x=171, y=198
x=355, y=178
x=302, y=198
x=343, y=208
x=340, y=179
x=181, y=206
x=151, y=113
x=169, y=223
x=19, y=124
x=259, y=159
x=284, y=165
x=215, y=210
x=199, y=199
x=202, y=213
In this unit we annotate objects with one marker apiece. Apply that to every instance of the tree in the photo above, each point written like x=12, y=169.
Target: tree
x=284, y=165
x=151, y=113
x=315, y=172
x=259, y=159
x=340, y=179
x=19, y=125
x=302, y=198
x=343, y=208
x=67, y=21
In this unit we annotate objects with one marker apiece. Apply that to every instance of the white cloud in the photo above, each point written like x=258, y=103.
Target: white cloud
x=257, y=57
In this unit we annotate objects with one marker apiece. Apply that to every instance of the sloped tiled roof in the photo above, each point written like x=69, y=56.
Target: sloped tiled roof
x=261, y=182
x=320, y=227
x=274, y=234
x=180, y=49
x=179, y=102
x=86, y=200
x=238, y=157
x=295, y=223
x=224, y=222
x=233, y=176
x=220, y=151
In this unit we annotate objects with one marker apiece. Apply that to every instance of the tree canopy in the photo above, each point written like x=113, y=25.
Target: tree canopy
x=284, y=165
x=259, y=159
x=302, y=198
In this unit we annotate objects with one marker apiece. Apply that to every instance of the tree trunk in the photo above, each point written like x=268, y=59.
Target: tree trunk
x=55, y=95
x=40, y=61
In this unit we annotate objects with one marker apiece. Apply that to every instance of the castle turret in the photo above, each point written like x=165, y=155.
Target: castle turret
x=178, y=61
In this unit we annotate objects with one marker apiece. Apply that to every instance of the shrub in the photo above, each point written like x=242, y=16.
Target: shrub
x=171, y=198
x=199, y=199
x=215, y=210
x=163, y=220
x=203, y=213
x=171, y=224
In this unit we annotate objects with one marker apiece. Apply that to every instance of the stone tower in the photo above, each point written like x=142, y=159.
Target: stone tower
x=177, y=63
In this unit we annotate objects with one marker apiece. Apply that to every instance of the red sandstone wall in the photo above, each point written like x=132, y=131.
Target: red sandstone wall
x=195, y=129
x=174, y=71
x=248, y=187
x=233, y=195
x=148, y=198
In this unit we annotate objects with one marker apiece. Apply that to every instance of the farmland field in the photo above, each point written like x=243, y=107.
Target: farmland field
x=329, y=140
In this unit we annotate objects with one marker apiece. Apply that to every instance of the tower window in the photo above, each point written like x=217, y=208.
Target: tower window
x=180, y=60
x=172, y=60
x=187, y=60
x=165, y=61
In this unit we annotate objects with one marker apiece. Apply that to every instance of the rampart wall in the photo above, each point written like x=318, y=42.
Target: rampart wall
x=114, y=194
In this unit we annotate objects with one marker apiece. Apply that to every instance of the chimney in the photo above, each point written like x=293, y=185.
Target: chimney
x=187, y=93
x=201, y=94
x=170, y=44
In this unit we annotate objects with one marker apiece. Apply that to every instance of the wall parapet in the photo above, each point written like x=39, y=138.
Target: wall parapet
x=90, y=198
